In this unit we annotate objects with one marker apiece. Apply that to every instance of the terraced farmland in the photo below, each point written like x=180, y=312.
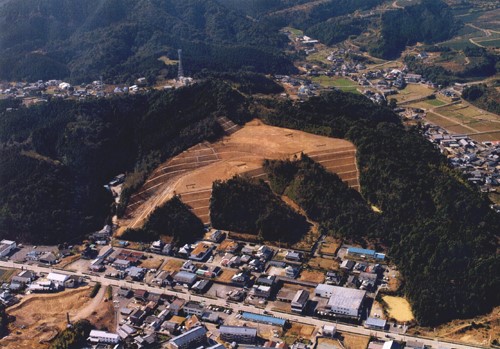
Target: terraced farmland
x=190, y=174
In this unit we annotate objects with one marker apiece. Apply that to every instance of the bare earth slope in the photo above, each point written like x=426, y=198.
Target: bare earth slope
x=191, y=174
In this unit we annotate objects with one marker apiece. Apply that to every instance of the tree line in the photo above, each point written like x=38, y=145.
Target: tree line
x=248, y=206
x=56, y=157
x=439, y=231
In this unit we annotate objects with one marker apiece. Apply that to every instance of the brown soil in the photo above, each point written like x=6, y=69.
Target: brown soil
x=191, y=174
x=312, y=276
x=481, y=330
x=39, y=317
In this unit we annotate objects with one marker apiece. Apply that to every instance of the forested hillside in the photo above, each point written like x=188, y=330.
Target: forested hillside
x=122, y=38
x=56, y=157
x=340, y=210
x=439, y=230
x=172, y=219
x=247, y=206
x=486, y=97
x=429, y=21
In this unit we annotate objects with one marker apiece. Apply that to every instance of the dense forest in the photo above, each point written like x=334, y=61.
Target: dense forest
x=173, y=219
x=439, y=230
x=118, y=39
x=247, y=206
x=73, y=337
x=429, y=21
x=340, y=210
x=484, y=97
x=56, y=157
x=4, y=321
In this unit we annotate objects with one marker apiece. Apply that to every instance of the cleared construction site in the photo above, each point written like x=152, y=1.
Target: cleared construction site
x=241, y=152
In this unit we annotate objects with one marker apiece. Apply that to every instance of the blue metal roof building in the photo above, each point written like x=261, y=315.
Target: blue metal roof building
x=264, y=319
x=365, y=252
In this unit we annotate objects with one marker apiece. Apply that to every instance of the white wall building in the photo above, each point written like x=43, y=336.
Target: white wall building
x=103, y=337
x=6, y=247
x=346, y=301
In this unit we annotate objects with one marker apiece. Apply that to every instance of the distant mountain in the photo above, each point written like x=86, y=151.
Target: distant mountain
x=119, y=38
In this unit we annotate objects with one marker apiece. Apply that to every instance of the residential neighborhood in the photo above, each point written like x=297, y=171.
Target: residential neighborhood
x=205, y=296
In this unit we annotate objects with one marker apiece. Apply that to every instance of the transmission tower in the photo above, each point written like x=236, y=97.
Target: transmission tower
x=180, y=73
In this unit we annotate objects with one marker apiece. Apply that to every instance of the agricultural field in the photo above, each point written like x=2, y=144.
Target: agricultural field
x=172, y=265
x=354, y=341
x=294, y=31
x=398, y=308
x=342, y=84
x=323, y=264
x=413, y=92
x=319, y=56
x=466, y=118
x=190, y=174
x=298, y=331
x=329, y=246
x=6, y=274
x=152, y=263
x=312, y=276
x=329, y=343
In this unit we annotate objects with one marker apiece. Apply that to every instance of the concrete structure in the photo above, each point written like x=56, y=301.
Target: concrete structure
x=329, y=330
x=194, y=308
x=238, y=334
x=103, y=337
x=299, y=302
x=6, y=247
x=190, y=339
x=186, y=278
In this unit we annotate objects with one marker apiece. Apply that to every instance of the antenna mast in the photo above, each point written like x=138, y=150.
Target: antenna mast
x=180, y=73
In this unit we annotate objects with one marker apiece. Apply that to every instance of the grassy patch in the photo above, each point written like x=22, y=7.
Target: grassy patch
x=6, y=274
x=435, y=102
x=294, y=31
x=490, y=43
x=343, y=84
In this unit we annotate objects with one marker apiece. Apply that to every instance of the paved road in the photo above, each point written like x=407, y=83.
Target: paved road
x=434, y=343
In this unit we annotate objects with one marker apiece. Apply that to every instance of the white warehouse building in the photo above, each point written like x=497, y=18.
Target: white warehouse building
x=346, y=301
x=103, y=337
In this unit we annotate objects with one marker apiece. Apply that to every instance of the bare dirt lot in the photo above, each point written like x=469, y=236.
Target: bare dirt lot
x=40, y=317
x=191, y=174
x=398, y=308
x=312, y=276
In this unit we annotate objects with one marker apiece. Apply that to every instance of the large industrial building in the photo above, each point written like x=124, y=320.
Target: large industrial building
x=346, y=301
